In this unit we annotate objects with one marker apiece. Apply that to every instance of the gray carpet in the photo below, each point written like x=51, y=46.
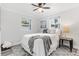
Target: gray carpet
x=65, y=52
x=19, y=51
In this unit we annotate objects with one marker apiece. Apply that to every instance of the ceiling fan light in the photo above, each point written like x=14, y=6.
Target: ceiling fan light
x=40, y=10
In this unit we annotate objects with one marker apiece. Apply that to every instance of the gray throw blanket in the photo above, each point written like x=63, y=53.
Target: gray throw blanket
x=31, y=42
x=47, y=43
x=46, y=40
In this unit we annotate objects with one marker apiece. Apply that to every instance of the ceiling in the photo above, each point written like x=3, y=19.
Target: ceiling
x=27, y=8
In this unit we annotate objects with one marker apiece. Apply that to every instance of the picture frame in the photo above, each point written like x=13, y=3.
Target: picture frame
x=55, y=23
x=43, y=24
x=26, y=23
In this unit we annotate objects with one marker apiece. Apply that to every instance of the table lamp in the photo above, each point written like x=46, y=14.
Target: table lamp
x=66, y=30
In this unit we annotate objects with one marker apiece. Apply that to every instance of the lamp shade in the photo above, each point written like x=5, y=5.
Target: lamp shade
x=66, y=29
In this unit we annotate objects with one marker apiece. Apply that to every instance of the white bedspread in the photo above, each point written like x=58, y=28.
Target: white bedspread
x=39, y=48
x=39, y=51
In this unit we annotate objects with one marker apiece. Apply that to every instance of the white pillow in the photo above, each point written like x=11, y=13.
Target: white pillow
x=52, y=31
x=7, y=44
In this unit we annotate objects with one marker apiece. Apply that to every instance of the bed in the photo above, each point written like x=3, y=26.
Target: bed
x=39, y=49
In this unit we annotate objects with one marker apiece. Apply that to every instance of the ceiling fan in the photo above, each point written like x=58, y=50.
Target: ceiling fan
x=40, y=7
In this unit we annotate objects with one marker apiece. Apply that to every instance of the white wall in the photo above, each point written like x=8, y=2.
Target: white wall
x=0, y=31
x=0, y=26
x=71, y=18
x=11, y=28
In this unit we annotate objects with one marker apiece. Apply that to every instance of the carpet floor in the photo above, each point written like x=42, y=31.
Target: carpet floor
x=19, y=51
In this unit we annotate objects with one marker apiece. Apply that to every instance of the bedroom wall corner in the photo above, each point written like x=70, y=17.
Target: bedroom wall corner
x=11, y=28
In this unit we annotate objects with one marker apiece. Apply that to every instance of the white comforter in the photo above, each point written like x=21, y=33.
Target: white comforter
x=38, y=44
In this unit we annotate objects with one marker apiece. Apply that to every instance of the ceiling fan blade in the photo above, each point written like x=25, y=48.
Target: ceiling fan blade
x=41, y=4
x=35, y=5
x=44, y=4
x=35, y=9
x=46, y=7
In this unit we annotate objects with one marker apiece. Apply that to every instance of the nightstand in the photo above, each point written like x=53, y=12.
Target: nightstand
x=70, y=40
